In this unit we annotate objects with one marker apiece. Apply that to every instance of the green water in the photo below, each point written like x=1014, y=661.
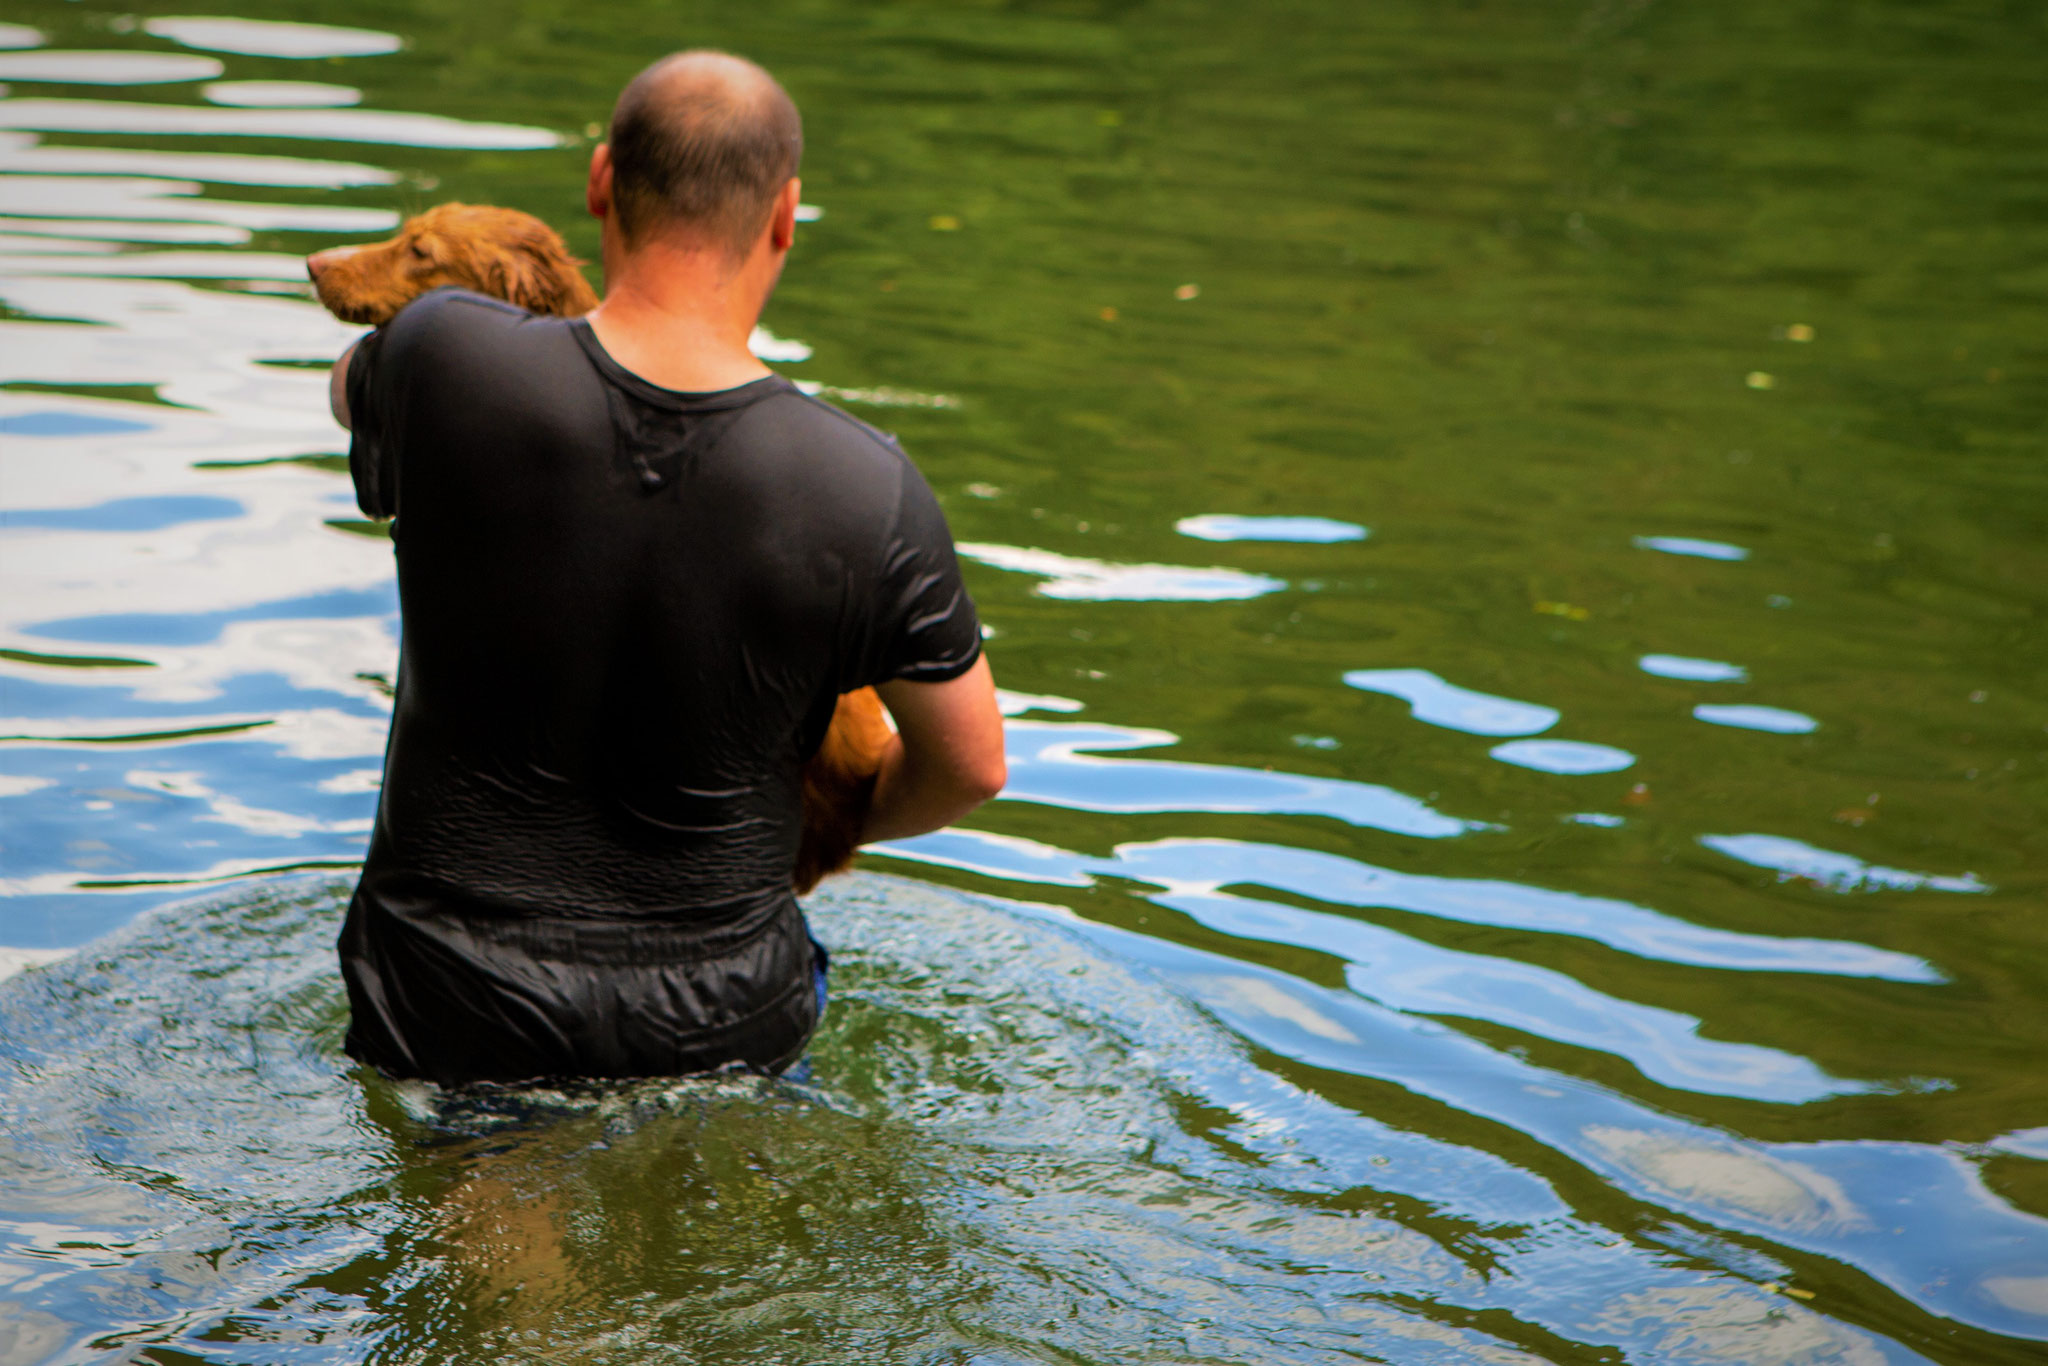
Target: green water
x=1263, y=1021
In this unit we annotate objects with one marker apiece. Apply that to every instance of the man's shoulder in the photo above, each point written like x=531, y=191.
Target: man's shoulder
x=448, y=313
x=821, y=429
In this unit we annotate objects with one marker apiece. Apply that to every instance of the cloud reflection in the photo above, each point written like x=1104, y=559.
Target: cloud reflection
x=272, y=38
x=1789, y=858
x=1050, y=762
x=105, y=68
x=1431, y=699
x=322, y=125
x=1078, y=580
x=1209, y=864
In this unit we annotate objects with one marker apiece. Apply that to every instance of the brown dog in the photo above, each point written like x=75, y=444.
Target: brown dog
x=516, y=257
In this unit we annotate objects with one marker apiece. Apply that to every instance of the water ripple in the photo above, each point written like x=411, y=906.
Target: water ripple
x=1431, y=699
x=1210, y=864
x=1050, y=762
x=1570, y=757
x=271, y=38
x=323, y=125
x=1075, y=579
x=1686, y=545
x=1789, y=858
x=1223, y=526
x=23, y=152
x=105, y=68
x=1744, y=716
x=1692, y=670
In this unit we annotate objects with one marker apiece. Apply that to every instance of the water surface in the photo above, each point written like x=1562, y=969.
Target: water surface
x=1513, y=537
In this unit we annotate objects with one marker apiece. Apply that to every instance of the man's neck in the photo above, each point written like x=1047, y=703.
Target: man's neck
x=679, y=316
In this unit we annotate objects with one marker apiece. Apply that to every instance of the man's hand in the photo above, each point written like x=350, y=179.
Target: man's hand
x=337, y=385
x=946, y=758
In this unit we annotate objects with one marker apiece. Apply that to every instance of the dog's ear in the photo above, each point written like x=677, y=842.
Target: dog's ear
x=539, y=275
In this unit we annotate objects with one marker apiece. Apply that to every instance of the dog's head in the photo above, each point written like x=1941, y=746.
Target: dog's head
x=501, y=252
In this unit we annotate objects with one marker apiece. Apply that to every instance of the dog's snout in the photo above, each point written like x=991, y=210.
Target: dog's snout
x=321, y=260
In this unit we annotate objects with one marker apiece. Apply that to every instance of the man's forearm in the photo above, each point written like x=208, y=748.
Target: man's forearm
x=913, y=799
x=945, y=759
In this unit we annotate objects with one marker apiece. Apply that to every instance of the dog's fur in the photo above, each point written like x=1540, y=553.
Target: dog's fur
x=516, y=257
x=501, y=252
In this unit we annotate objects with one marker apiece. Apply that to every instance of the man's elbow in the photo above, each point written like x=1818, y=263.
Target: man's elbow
x=984, y=781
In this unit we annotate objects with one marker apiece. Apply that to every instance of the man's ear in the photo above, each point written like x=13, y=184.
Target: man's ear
x=597, y=194
x=782, y=223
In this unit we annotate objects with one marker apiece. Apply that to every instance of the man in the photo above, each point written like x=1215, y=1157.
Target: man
x=636, y=569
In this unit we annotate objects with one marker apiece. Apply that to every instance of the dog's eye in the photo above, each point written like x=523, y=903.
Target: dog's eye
x=420, y=250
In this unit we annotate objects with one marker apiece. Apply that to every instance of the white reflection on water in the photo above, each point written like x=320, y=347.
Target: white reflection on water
x=281, y=94
x=105, y=68
x=319, y=733
x=1749, y=717
x=1687, y=545
x=1572, y=758
x=1017, y=703
x=1431, y=699
x=1692, y=670
x=1732, y=1174
x=270, y=38
x=1050, y=763
x=22, y=232
x=22, y=244
x=1077, y=580
x=178, y=201
x=1223, y=526
x=1916, y=1217
x=1336, y=880
x=1078, y=1134
x=1837, y=872
x=1419, y=978
x=19, y=35
x=24, y=152
x=230, y=810
x=170, y=265
x=325, y=125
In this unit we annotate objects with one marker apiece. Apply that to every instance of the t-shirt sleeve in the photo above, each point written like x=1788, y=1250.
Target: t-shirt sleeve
x=924, y=628
x=372, y=454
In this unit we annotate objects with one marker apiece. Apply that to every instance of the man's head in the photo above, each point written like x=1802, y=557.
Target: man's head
x=702, y=146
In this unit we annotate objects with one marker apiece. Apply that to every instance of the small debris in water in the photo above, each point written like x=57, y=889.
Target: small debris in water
x=1187, y=292
x=1757, y=379
x=945, y=222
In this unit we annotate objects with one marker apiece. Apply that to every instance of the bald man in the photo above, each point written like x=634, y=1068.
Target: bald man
x=636, y=569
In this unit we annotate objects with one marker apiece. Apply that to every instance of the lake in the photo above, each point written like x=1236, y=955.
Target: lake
x=1515, y=540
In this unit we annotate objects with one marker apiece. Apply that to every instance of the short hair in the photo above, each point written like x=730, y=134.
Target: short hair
x=703, y=140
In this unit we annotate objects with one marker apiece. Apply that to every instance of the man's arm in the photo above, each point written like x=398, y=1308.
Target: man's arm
x=946, y=758
x=337, y=386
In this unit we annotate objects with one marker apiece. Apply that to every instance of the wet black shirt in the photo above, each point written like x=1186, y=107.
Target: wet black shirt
x=627, y=613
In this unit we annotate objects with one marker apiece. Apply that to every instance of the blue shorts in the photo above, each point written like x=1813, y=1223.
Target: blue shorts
x=821, y=962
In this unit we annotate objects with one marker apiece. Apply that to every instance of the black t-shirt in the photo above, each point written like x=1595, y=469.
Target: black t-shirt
x=627, y=614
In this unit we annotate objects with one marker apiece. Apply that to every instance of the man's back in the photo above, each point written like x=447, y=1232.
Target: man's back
x=628, y=613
